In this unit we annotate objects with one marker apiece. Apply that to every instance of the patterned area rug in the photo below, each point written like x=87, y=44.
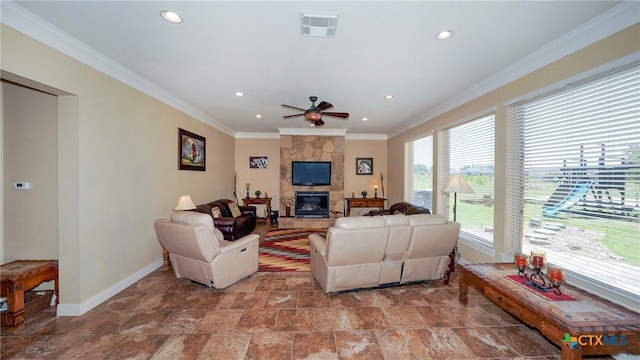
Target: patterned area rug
x=286, y=249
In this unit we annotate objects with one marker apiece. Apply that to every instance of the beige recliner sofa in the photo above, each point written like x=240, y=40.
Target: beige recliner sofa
x=365, y=252
x=199, y=252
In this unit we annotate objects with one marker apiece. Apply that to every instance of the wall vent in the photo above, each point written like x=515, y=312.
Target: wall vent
x=318, y=24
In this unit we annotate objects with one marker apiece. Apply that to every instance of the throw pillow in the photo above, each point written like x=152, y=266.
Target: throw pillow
x=215, y=212
x=235, y=210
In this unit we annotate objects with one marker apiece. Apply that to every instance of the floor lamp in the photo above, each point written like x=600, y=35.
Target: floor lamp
x=457, y=184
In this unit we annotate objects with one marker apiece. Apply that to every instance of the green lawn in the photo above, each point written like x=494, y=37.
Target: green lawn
x=621, y=237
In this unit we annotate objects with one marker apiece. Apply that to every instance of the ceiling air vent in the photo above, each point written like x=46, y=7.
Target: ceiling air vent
x=318, y=24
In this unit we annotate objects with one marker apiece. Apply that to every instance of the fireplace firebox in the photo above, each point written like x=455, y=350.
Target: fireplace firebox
x=312, y=204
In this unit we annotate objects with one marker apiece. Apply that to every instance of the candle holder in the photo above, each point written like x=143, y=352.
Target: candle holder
x=247, y=185
x=538, y=279
x=375, y=192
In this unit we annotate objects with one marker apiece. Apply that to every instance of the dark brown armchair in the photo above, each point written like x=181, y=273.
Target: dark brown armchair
x=232, y=228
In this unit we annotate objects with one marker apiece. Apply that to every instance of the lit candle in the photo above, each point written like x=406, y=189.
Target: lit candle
x=537, y=261
x=556, y=275
x=521, y=261
x=375, y=187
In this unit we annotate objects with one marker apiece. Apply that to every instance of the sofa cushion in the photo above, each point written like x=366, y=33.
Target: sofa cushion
x=235, y=210
x=189, y=218
x=359, y=222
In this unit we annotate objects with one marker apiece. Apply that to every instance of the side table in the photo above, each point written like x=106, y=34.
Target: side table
x=259, y=201
x=22, y=275
x=362, y=203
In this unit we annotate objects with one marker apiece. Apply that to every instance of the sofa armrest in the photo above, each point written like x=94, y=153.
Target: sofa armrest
x=224, y=221
x=248, y=210
x=243, y=241
x=318, y=242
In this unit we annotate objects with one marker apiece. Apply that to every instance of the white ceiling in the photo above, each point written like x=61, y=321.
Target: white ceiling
x=380, y=48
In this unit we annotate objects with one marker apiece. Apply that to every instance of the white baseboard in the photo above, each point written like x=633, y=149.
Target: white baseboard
x=92, y=302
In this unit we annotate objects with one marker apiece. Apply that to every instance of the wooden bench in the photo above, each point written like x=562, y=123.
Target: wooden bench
x=20, y=276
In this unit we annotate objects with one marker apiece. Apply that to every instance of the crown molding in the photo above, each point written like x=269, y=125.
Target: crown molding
x=27, y=23
x=312, y=132
x=606, y=24
x=366, y=137
x=256, y=135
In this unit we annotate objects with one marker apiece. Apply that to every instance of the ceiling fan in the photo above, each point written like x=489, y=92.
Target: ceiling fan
x=314, y=114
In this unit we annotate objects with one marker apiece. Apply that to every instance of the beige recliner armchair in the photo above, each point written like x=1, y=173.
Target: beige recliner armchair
x=199, y=252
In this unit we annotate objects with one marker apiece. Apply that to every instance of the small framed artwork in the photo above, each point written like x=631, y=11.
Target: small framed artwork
x=191, y=151
x=258, y=162
x=364, y=166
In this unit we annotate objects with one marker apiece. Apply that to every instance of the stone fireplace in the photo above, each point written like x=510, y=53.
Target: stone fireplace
x=312, y=148
x=312, y=204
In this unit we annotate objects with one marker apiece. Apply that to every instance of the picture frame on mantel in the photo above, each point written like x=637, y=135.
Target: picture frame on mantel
x=364, y=166
x=191, y=151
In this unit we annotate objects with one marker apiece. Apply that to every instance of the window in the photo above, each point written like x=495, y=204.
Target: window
x=422, y=172
x=469, y=149
x=573, y=176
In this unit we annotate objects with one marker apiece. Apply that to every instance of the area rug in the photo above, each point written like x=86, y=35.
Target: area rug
x=286, y=249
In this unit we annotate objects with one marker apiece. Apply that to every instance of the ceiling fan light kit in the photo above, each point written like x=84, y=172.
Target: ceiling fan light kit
x=313, y=115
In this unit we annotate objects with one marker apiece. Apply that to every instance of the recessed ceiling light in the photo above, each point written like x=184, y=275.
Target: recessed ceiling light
x=259, y=116
x=365, y=119
x=238, y=93
x=388, y=97
x=444, y=34
x=171, y=16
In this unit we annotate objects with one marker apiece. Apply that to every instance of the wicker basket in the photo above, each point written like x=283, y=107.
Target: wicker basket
x=34, y=302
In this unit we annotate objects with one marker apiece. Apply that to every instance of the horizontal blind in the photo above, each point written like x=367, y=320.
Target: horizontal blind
x=573, y=176
x=469, y=149
x=422, y=172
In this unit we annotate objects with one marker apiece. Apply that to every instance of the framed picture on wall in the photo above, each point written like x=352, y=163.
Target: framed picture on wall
x=364, y=166
x=258, y=162
x=191, y=151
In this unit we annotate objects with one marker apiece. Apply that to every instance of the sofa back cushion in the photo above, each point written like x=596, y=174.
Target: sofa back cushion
x=399, y=234
x=356, y=240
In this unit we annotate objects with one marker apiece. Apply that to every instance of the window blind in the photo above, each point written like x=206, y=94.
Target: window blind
x=469, y=149
x=422, y=172
x=573, y=178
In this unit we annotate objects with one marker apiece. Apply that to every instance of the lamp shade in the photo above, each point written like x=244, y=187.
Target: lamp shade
x=185, y=203
x=458, y=184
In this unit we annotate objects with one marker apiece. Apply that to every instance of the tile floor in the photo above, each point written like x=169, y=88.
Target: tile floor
x=279, y=316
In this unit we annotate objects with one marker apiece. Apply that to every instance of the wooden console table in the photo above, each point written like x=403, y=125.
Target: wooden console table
x=588, y=319
x=260, y=201
x=22, y=275
x=363, y=203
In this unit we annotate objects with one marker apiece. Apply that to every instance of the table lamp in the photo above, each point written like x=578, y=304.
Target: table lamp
x=185, y=203
x=457, y=184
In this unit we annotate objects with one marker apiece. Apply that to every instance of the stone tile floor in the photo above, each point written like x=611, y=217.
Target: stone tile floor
x=279, y=316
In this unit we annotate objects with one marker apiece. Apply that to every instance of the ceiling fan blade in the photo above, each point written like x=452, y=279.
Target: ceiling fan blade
x=291, y=116
x=343, y=115
x=292, y=107
x=324, y=106
x=319, y=122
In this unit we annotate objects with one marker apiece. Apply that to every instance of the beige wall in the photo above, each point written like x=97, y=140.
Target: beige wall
x=117, y=158
x=616, y=46
x=266, y=180
x=30, y=135
x=376, y=149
